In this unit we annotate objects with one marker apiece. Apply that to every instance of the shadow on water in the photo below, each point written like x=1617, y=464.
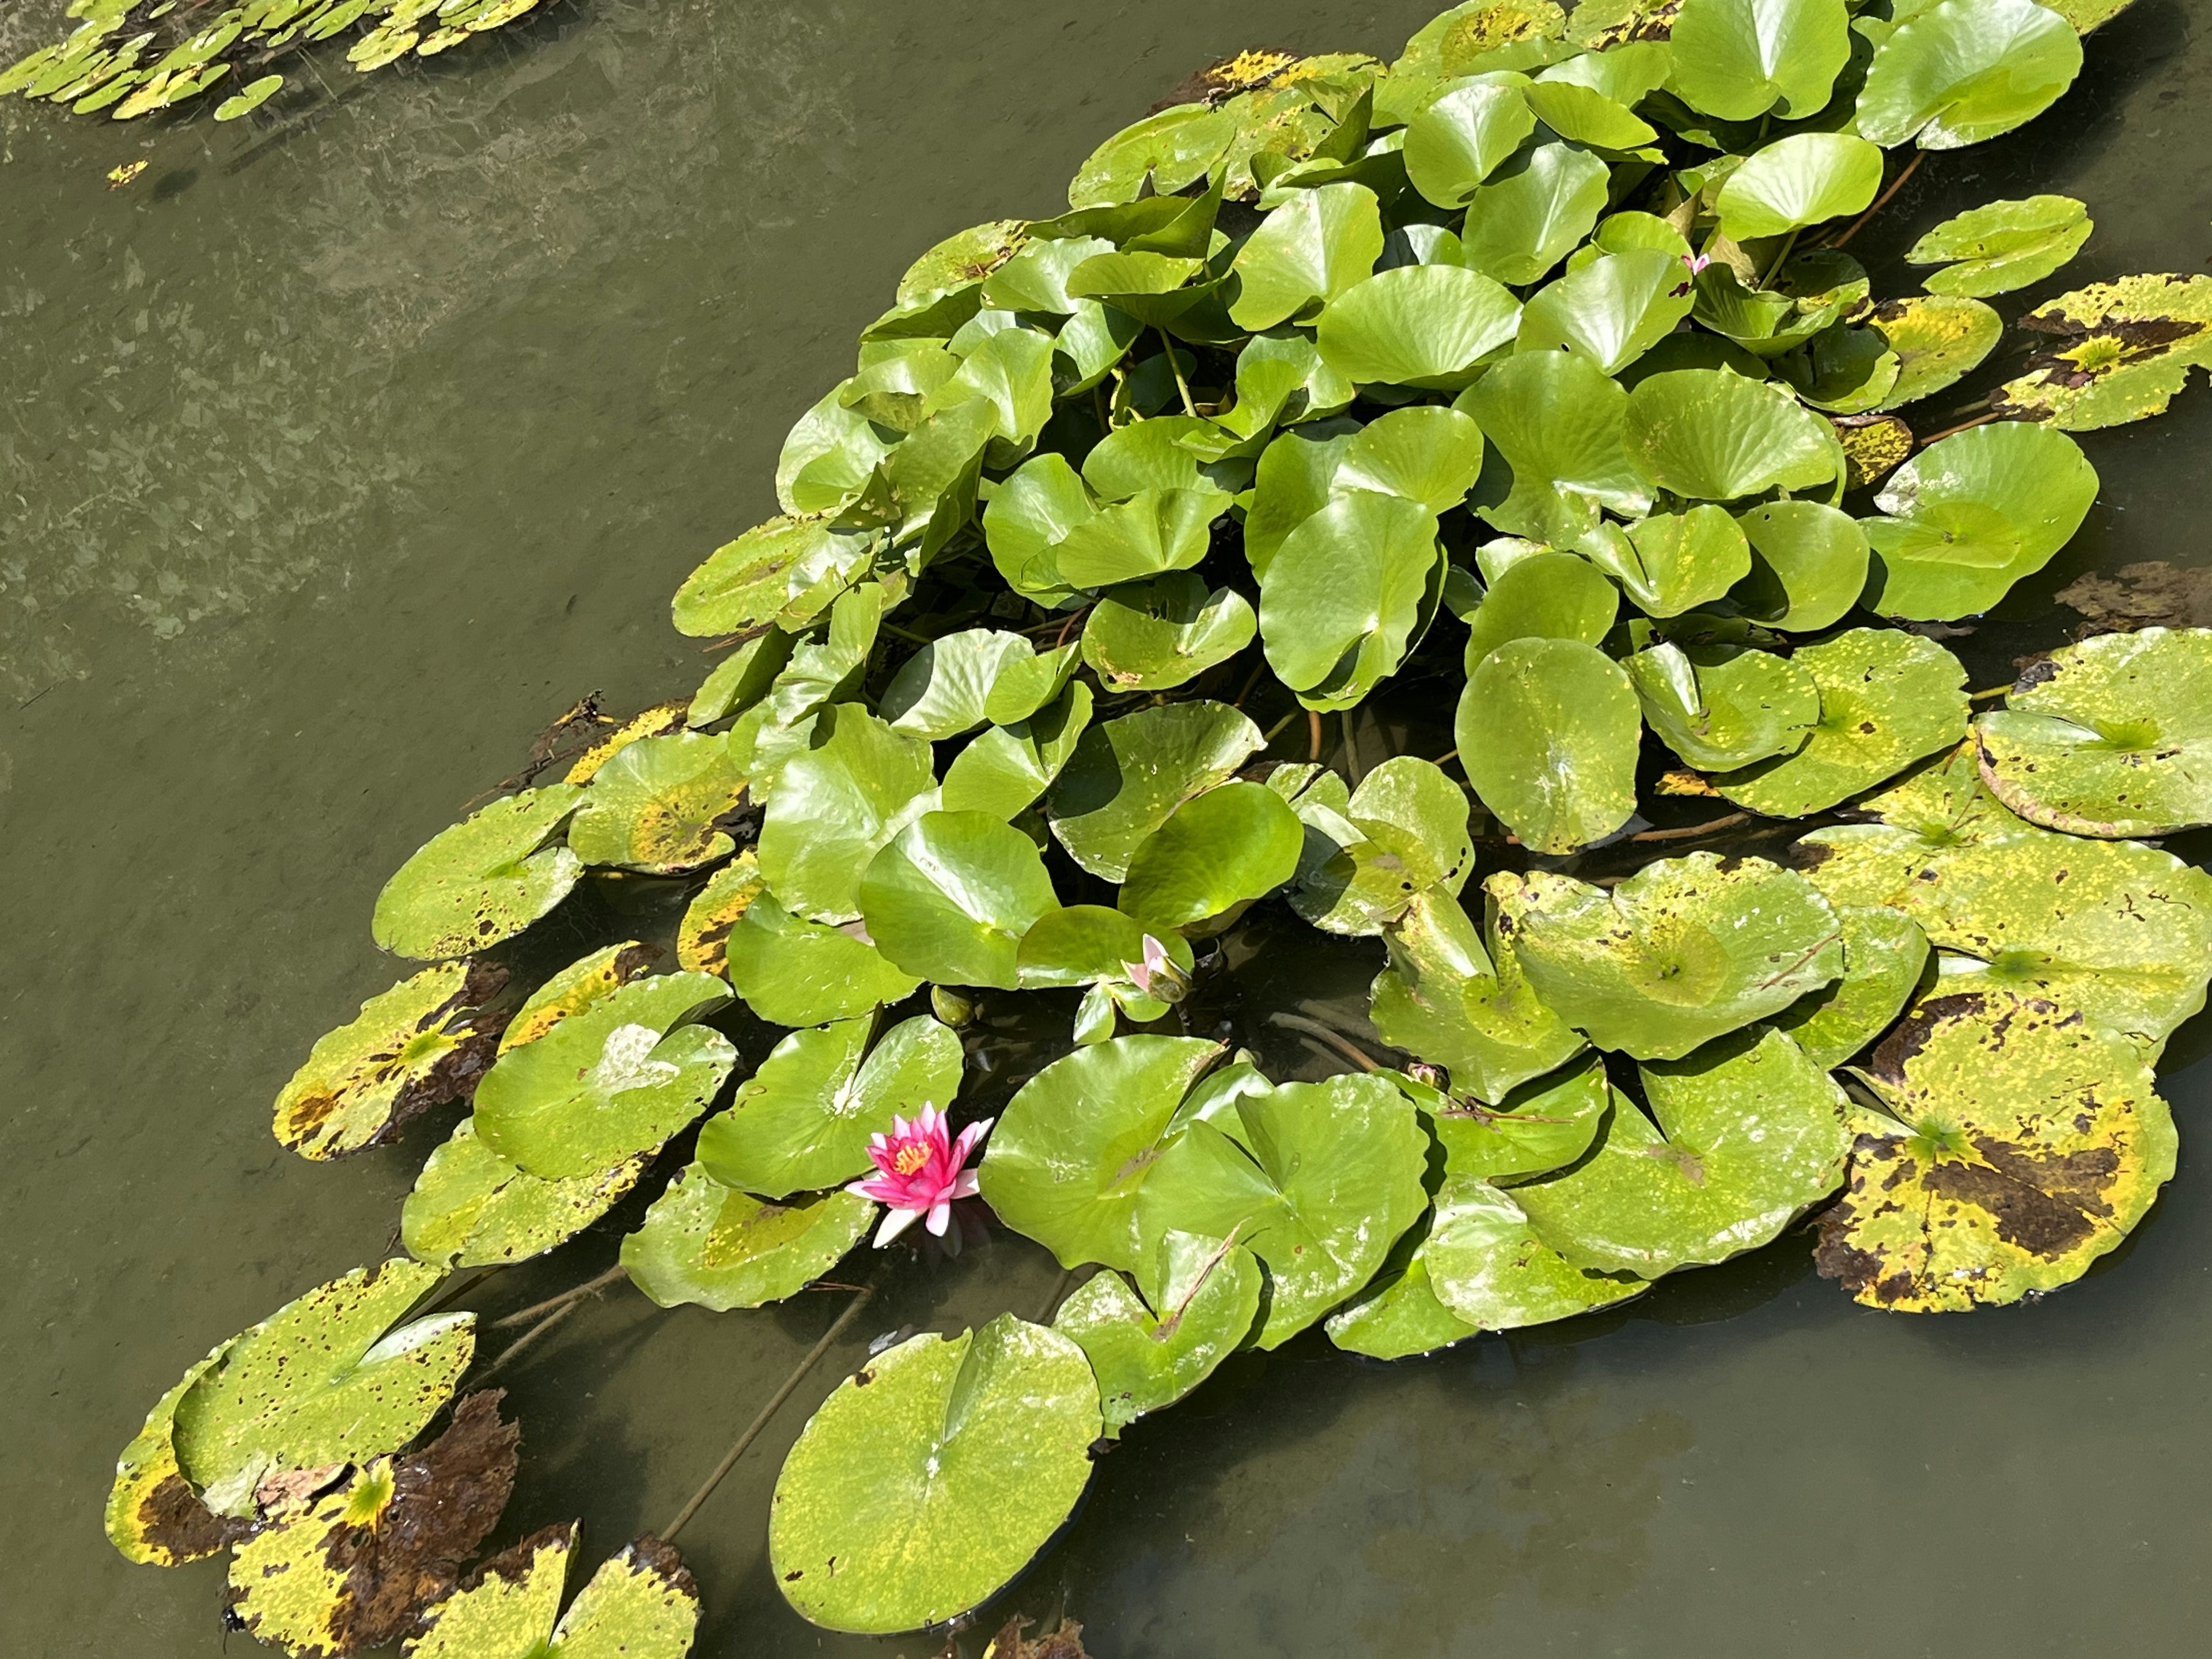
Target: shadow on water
x=344, y=453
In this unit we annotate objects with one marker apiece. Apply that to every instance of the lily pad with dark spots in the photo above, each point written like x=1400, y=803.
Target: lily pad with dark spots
x=641, y=1604
x=702, y=934
x=472, y=1208
x=2118, y=352
x=481, y=881
x=1939, y=340
x=420, y=1044
x=2028, y=1142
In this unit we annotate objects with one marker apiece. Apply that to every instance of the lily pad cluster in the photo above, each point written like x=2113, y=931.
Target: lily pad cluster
x=1527, y=379
x=128, y=58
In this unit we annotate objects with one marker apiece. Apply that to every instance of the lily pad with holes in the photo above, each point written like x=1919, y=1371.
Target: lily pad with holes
x=802, y=1122
x=836, y=805
x=1128, y=775
x=2003, y=245
x=1965, y=71
x=710, y=1245
x=1075, y=1146
x=1316, y=1179
x=608, y=1084
x=1719, y=705
x=326, y=1380
x=1938, y=340
x=1973, y=513
x=1686, y=949
x=656, y=806
x=641, y=1604
x=1218, y=852
x=1150, y=1349
x=1403, y=832
x=2118, y=352
x=1612, y=310
x=1738, y=60
x=793, y=972
x=1426, y=326
x=1885, y=953
x=423, y=1042
x=2110, y=738
x=2028, y=1141
x=1750, y=1134
x=483, y=880
x=472, y=1208
x=950, y=898
x=1157, y=634
x=358, y=1565
x=929, y=1479
x=1888, y=698
x=1347, y=593
x=1799, y=180
x=1548, y=732
x=1716, y=436
x=1459, y=999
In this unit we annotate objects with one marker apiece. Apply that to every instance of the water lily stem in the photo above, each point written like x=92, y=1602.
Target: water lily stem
x=528, y=1339
x=1277, y=728
x=1335, y=1039
x=761, y=1421
x=1773, y=269
x=1882, y=200
x=1312, y=735
x=552, y=1303
x=1983, y=696
x=1963, y=426
x=1176, y=369
x=1685, y=831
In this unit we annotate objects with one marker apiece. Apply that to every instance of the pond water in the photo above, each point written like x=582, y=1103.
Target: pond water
x=342, y=454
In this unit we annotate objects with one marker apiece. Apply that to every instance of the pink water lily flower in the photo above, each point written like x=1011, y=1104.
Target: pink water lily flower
x=1157, y=975
x=919, y=1172
x=1696, y=262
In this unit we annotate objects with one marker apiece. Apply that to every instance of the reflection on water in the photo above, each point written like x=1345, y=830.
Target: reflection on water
x=339, y=459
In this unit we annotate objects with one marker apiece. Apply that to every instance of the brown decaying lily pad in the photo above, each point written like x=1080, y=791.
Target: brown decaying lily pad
x=2155, y=593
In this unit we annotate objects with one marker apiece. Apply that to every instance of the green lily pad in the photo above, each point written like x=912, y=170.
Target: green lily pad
x=2028, y=1143
x=1345, y=593
x=357, y=1565
x=1218, y=851
x=793, y=972
x=1305, y=253
x=2117, y=930
x=1810, y=563
x=1884, y=953
x=1738, y=60
x=943, y=690
x=802, y=1122
x=1684, y=951
x=927, y=1481
x=1531, y=213
x=1843, y=370
x=1966, y=70
x=1548, y=732
x=1465, y=134
x=2120, y=352
x=1077, y=1144
x=472, y=1208
x=2110, y=738
x=1672, y=561
x=1153, y=532
x=1560, y=424
x=1719, y=705
x=1467, y=1008
x=826, y=463
x=482, y=881
x=1090, y=945
x=1549, y=595
x=1035, y=278
x=950, y=898
x=1812, y=291
x=836, y=805
x=1173, y=148
x=1800, y=180
x=1027, y=517
x=1427, y=326
x=1154, y=635
x=1716, y=436
x=1938, y=342
x=2003, y=245
x=1973, y=513
x=606, y=1085
x=1316, y=1179
x=640, y=1604
x=1128, y=775
x=1398, y=1315
x=1545, y=1124
x=420, y=1044
x=1008, y=767
x=741, y=679
x=1488, y=1266
x=245, y=102
x=1584, y=115
x=1750, y=1135
x=654, y=807
x=1426, y=455
x=324, y=1380
x=1162, y=453
x=1886, y=699
x=747, y=582
x=1207, y=1292
x=1368, y=853
x=1612, y=310
x=1294, y=479
x=709, y=1244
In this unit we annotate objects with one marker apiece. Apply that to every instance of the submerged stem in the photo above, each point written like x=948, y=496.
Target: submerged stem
x=1963, y=426
x=1335, y=1039
x=761, y=1421
x=574, y=1293
x=1882, y=200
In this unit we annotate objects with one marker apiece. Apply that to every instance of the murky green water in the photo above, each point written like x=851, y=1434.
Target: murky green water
x=336, y=461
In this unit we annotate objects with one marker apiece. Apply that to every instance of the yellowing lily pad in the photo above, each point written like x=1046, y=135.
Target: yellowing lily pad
x=657, y=807
x=579, y=986
x=2119, y=352
x=481, y=881
x=472, y=1208
x=721, y=1248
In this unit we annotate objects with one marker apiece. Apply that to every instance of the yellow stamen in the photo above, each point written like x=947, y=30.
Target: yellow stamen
x=911, y=1157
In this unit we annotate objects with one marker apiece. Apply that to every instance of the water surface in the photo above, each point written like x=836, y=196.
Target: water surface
x=342, y=453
